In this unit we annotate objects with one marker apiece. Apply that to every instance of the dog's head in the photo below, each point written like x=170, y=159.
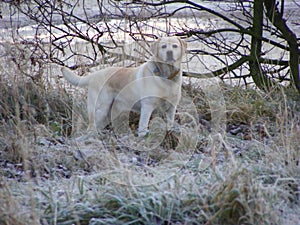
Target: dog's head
x=169, y=49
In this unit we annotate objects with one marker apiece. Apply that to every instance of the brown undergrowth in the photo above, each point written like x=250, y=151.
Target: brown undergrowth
x=249, y=175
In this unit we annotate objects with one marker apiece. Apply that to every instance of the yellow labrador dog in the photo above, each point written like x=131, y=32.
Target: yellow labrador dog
x=156, y=83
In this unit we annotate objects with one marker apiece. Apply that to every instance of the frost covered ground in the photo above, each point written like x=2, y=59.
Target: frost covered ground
x=234, y=161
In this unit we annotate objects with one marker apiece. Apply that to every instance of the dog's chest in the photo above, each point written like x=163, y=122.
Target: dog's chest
x=164, y=70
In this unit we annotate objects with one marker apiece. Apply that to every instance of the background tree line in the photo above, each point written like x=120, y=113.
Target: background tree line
x=249, y=41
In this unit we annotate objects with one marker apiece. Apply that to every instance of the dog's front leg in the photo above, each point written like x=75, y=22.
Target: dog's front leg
x=146, y=112
x=170, y=116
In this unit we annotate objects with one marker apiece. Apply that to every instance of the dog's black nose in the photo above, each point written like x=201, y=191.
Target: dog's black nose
x=169, y=55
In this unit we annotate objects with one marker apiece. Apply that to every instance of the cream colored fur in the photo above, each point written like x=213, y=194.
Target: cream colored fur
x=155, y=83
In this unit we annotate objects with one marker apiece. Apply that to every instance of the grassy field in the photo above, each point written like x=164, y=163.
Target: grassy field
x=245, y=172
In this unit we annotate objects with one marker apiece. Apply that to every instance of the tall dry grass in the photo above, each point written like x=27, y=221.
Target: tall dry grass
x=47, y=178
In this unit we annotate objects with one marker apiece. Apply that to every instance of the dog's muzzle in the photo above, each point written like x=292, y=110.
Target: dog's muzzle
x=170, y=56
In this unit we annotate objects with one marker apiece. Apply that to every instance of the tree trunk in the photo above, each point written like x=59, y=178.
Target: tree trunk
x=259, y=78
x=276, y=18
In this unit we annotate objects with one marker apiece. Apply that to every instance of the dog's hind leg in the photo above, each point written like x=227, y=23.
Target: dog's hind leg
x=102, y=111
x=98, y=110
x=91, y=103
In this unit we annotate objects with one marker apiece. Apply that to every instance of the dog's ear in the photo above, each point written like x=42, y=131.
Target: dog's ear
x=183, y=44
x=154, y=47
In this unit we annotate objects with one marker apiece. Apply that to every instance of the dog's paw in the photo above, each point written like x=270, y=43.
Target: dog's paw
x=176, y=129
x=143, y=133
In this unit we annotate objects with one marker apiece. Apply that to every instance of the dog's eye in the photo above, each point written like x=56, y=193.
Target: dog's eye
x=164, y=46
x=175, y=46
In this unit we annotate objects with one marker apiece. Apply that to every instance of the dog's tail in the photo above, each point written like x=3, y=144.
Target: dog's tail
x=74, y=79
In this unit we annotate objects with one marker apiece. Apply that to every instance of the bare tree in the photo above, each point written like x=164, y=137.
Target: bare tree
x=288, y=35
x=236, y=39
